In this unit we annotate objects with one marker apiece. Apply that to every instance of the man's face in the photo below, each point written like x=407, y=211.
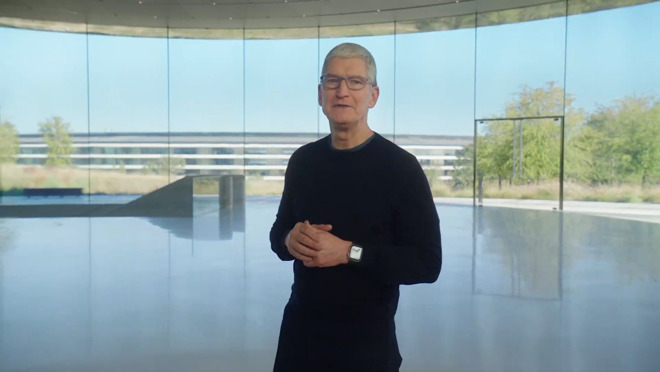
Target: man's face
x=343, y=106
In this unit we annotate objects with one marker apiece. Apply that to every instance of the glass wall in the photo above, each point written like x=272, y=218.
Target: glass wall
x=128, y=94
x=519, y=74
x=126, y=115
x=281, y=110
x=206, y=113
x=280, y=83
x=43, y=95
x=613, y=82
x=435, y=100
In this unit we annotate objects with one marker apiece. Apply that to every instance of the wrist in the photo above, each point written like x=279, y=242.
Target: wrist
x=348, y=252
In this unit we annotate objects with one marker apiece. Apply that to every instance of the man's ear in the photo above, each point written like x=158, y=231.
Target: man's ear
x=320, y=96
x=375, y=93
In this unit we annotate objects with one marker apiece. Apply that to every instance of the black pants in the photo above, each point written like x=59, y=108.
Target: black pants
x=327, y=341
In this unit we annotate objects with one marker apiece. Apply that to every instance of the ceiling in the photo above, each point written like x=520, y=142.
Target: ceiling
x=246, y=14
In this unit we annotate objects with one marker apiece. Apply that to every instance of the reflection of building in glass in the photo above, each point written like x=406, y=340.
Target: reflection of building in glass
x=264, y=154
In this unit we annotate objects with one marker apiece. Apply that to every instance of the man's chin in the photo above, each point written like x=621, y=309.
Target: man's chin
x=341, y=123
x=342, y=119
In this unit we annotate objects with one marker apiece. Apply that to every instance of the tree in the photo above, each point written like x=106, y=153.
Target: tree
x=58, y=139
x=495, y=151
x=463, y=168
x=9, y=143
x=498, y=152
x=623, y=141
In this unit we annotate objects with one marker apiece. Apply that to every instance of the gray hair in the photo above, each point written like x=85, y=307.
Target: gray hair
x=352, y=50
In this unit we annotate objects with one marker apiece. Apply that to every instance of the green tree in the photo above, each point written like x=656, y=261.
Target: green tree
x=623, y=141
x=595, y=165
x=495, y=151
x=9, y=143
x=541, y=138
x=58, y=140
x=463, y=168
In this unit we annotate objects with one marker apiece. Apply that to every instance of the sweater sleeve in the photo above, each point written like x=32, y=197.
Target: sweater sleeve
x=284, y=221
x=415, y=256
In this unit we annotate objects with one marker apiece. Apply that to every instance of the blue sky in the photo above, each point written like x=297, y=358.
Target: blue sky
x=427, y=80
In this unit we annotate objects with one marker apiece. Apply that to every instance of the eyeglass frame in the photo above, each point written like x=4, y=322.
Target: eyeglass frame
x=346, y=79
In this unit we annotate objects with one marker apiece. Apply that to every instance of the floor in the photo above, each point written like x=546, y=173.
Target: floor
x=520, y=290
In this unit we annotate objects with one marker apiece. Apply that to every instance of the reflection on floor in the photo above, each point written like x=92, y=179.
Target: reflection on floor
x=521, y=290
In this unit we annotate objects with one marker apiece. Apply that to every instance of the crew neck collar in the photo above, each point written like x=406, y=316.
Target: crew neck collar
x=353, y=149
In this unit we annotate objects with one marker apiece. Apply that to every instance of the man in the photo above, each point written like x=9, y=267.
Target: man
x=358, y=219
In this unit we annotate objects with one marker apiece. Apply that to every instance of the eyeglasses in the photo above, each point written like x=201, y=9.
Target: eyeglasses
x=352, y=82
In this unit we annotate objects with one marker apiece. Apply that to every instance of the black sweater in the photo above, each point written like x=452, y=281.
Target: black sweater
x=376, y=196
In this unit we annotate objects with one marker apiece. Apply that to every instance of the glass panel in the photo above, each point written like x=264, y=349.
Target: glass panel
x=519, y=74
x=518, y=159
x=515, y=59
x=43, y=105
x=206, y=85
x=435, y=103
x=206, y=115
x=612, y=152
x=128, y=104
x=280, y=108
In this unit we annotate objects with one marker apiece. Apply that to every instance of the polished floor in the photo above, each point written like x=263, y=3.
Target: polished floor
x=520, y=290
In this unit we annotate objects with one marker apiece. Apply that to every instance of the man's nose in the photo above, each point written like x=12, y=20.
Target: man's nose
x=342, y=89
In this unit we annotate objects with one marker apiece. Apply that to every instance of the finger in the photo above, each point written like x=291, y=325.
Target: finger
x=308, y=229
x=323, y=227
x=299, y=256
x=310, y=232
x=310, y=263
x=305, y=240
x=300, y=230
x=304, y=250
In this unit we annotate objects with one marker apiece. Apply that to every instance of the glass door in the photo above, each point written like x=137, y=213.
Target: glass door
x=518, y=162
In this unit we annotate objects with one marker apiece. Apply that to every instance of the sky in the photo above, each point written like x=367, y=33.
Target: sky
x=427, y=80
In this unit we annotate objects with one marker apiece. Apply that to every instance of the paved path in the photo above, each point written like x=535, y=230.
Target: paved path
x=649, y=212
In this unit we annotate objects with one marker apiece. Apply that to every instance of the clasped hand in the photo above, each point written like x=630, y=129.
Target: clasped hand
x=315, y=246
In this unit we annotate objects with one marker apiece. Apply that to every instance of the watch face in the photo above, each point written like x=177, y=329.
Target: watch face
x=356, y=253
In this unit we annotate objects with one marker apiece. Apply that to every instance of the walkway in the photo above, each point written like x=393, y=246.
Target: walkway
x=648, y=212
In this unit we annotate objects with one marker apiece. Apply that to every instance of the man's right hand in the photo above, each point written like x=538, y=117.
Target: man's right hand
x=300, y=241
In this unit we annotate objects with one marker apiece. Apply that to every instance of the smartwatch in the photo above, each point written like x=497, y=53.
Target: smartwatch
x=355, y=254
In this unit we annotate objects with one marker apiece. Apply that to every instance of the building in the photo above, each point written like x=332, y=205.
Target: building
x=263, y=154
